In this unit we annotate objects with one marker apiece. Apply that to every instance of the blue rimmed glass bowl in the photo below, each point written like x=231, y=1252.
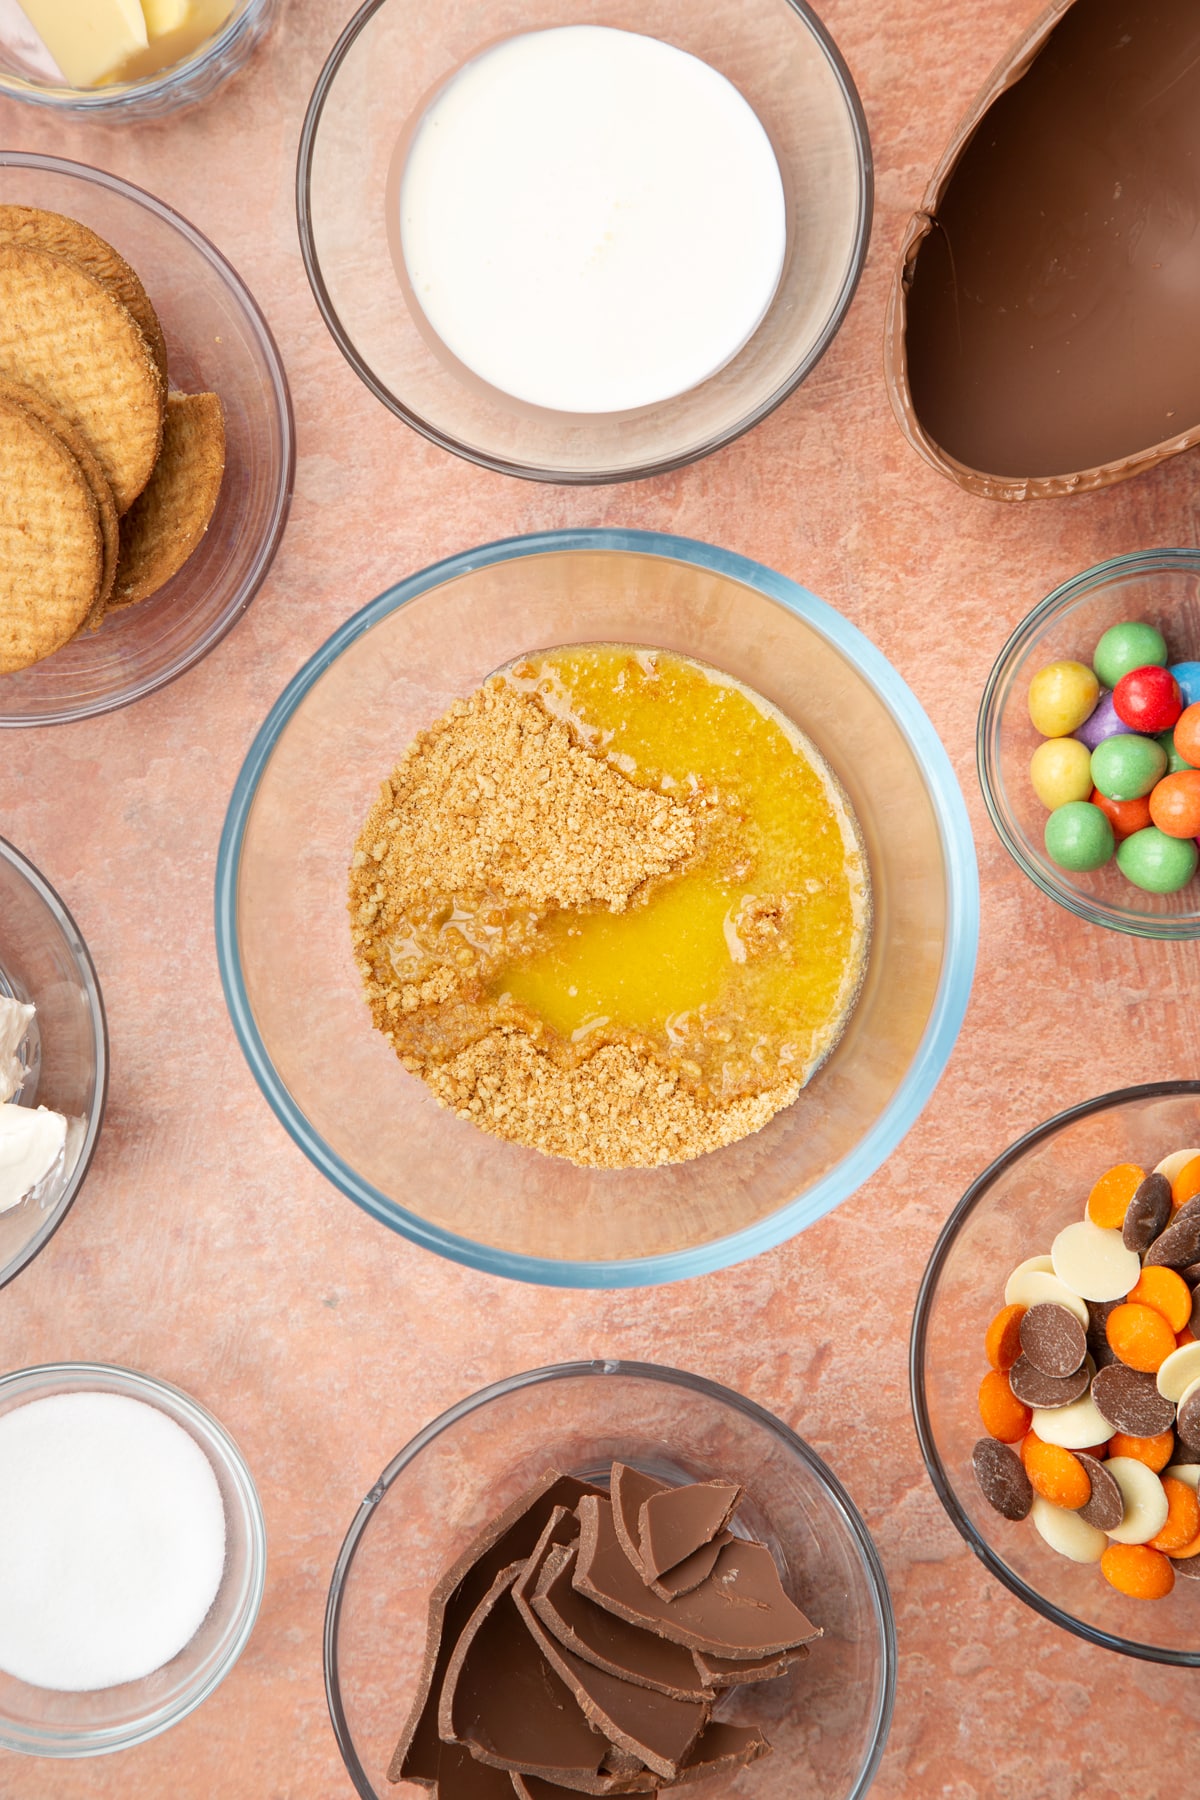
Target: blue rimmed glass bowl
x=284, y=944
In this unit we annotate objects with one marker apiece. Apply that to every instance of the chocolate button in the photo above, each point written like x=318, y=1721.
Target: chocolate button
x=1002, y=1479
x=1188, y=1422
x=1187, y=1566
x=1179, y=1245
x=1054, y=1341
x=1131, y=1402
x=1033, y=1388
x=1099, y=1348
x=1147, y=1214
x=1106, y=1508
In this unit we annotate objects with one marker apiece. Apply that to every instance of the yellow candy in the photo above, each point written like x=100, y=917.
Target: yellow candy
x=1061, y=696
x=1061, y=770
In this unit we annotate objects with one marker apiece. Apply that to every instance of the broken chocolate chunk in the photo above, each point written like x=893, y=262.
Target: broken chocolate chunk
x=629, y=1492
x=723, y=1672
x=674, y=1524
x=611, y=1643
x=692, y=1570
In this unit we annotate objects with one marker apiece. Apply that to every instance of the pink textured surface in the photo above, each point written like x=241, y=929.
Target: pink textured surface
x=205, y=1249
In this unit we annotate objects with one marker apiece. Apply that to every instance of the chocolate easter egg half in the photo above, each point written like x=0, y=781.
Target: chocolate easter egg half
x=1044, y=324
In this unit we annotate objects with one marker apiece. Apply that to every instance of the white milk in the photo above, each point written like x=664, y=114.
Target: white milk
x=592, y=220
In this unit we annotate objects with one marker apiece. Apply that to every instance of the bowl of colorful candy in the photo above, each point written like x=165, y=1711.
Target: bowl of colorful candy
x=1055, y=1369
x=1089, y=744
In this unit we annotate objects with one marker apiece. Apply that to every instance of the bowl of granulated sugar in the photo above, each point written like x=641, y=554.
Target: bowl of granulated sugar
x=132, y=1558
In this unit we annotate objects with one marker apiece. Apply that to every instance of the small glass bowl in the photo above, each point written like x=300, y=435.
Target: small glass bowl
x=183, y=83
x=44, y=959
x=379, y=78
x=827, y=1719
x=1159, y=586
x=216, y=340
x=294, y=993
x=43, y=1722
x=1013, y=1211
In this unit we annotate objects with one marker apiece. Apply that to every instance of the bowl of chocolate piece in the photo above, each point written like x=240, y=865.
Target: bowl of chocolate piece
x=53, y=1061
x=609, y=1578
x=568, y=918
x=147, y=428
x=1041, y=335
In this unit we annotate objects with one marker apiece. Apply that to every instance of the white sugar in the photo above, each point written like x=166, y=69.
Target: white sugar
x=112, y=1540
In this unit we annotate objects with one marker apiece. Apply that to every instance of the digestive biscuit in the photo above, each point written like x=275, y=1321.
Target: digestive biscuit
x=171, y=515
x=51, y=544
x=77, y=444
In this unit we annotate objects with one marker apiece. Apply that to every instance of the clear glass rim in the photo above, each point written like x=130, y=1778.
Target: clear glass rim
x=1124, y=919
x=109, y=99
x=865, y=193
x=95, y=1003
x=654, y=1372
x=256, y=575
x=154, y=1391
x=932, y=1053
x=943, y=1486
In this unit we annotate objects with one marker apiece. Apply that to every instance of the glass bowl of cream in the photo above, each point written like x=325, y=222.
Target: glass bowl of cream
x=125, y=59
x=53, y=1061
x=577, y=252
x=141, y=1508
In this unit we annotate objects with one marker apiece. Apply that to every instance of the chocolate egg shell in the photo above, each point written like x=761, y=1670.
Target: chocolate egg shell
x=1041, y=328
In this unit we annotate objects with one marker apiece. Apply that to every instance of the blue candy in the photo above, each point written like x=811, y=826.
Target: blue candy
x=1187, y=674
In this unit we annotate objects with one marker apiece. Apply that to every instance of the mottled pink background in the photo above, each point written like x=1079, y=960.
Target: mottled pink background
x=205, y=1249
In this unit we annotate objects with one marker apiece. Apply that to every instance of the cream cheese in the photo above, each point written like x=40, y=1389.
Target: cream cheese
x=31, y=1142
x=15, y=1020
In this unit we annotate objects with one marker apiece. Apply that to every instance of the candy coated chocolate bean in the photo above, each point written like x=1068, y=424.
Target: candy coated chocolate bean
x=1175, y=803
x=1156, y=863
x=1061, y=770
x=1148, y=699
x=1078, y=837
x=1125, y=816
x=1130, y=645
x=1187, y=733
x=1061, y=697
x=1102, y=722
x=1127, y=767
x=1187, y=674
x=1175, y=759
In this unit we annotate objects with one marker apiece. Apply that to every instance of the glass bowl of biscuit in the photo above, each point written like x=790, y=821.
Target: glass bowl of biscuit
x=694, y=980
x=148, y=439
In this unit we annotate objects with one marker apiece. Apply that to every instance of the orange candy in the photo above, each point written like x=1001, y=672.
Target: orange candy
x=1183, y=1516
x=1187, y=733
x=1155, y=1452
x=1109, y=1200
x=1138, y=1571
x=1165, y=1292
x=1055, y=1474
x=1002, y=1413
x=1188, y=1551
x=1140, y=1337
x=1125, y=816
x=1003, y=1340
x=1186, y=1336
x=1186, y=1184
x=1175, y=803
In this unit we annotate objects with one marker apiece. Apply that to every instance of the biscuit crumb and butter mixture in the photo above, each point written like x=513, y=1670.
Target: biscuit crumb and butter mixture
x=612, y=906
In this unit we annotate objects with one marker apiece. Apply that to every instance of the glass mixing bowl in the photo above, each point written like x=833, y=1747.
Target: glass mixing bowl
x=44, y=959
x=827, y=1719
x=217, y=340
x=379, y=78
x=43, y=1722
x=283, y=937
x=1159, y=586
x=1013, y=1211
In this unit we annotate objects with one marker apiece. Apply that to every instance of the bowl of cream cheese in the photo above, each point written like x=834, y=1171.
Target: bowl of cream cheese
x=53, y=1061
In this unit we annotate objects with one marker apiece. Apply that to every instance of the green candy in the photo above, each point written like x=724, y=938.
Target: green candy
x=1078, y=837
x=1175, y=762
x=1130, y=645
x=1127, y=766
x=1157, y=863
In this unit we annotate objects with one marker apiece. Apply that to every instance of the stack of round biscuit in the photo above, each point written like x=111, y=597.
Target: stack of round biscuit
x=108, y=480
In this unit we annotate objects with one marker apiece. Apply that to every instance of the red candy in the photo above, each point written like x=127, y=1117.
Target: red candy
x=1148, y=700
x=1125, y=816
x=1175, y=804
x=1187, y=734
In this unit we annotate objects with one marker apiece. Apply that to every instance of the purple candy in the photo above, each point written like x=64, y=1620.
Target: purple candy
x=1102, y=722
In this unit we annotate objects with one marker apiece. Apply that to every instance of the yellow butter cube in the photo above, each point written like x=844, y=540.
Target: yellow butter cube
x=88, y=39
x=165, y=15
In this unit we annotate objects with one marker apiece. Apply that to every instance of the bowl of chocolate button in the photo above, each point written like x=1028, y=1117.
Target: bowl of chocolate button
x=1040, y=336
x=1080, y=786
x=542, y=1591
x=1055, y=1370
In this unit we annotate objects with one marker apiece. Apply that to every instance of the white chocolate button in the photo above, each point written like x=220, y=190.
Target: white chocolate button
x=1036, y=1287
x=1188, y=1473
x=1074, y=1427
x=1067, y=1533
x=1146, y=1504
x=1094, y=1262
x=1033, y=1265
x=1177, y=1374
x=1171, y=1166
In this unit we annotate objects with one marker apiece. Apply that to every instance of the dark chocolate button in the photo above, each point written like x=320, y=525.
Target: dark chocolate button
x=1179, y=1244
x=1194, y=1321
x=1188, y=1423
x=1131, y=1402
x=1033, y=1388
x=1106, y=1507
x=1053, y=1339
x=1002, y=1479
x=1187, y=1566
x=1148, y=1213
